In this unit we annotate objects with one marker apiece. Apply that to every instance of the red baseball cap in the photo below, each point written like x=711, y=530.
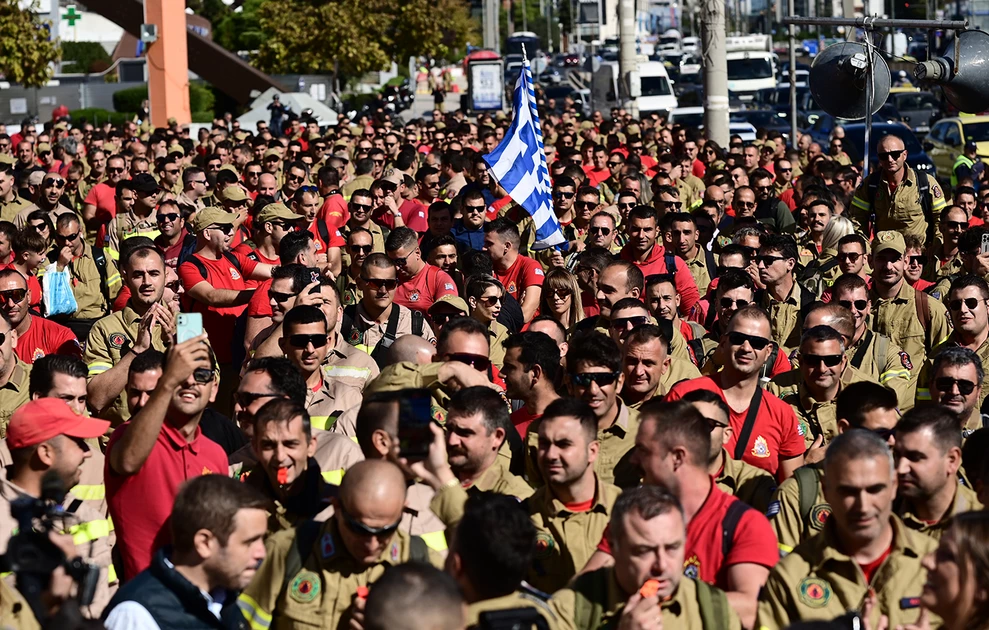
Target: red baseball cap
x=43, y=419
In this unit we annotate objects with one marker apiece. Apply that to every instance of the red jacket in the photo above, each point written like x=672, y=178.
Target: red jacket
x=656, y=264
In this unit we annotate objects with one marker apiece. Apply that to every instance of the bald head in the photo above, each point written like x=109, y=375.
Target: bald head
x=372, y=482
x=890, y=143
x=410, y=348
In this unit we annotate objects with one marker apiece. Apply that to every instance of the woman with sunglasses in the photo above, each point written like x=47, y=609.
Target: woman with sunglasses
x=712, y=155
x=560, y=298
x=484, y=297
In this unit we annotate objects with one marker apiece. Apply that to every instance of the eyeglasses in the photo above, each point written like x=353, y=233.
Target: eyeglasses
x=12, y=295
x=378, y=162
x=489, y=301
x=622, y=323
x=175, y=171
x=603, y=231
x=917, y=260
x=672, y=205
x=745, y=204
x=970, y=303
x=559, y=194
x=246, y=399
x=476, y=361
x=114, y=169
x=295, y=178
x=203, y=375
x=586, y=205
x=278, y=296
x=614, y=164
x=403, y=261
x=68, y=238
x=474, y=209
x=603, y=379
x=173, y=286
x=727, y=302
x=226, y=228
x=784, y=170
x=890, y=154
x=388, y=284
x=626, y=206
x=765, y=188
x=562, y=293
x=302, y=341
x=946, y=384
x=850, y=256
x=361, y=249
x=956, y=225
x=361, y=529
x=830, y=360
x=714, y=424
x=360, y=206
x=757, y=343
x=767, y=260
x=859, y=305
x=56, y=183
x=38, y=226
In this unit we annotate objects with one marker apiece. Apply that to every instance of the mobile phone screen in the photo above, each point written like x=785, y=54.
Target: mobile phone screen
x=414, y=418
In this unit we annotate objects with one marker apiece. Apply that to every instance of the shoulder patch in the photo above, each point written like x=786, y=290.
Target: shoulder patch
x=905, y=360
x=544, y=545
x=327, y=547
x=814, y=592
x=936, y=191
x=819, y=515
x=117, y=340
x=774, y=509
x=305, y=587
x=692, y=567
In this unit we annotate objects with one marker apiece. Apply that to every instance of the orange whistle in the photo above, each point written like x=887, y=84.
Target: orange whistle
x=649, y=589
x=362, y=592
x=282, y=476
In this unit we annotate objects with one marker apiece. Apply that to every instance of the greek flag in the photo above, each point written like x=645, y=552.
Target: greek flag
x=519, y=163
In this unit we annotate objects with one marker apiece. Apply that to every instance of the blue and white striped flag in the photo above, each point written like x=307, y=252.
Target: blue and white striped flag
x=519, y=163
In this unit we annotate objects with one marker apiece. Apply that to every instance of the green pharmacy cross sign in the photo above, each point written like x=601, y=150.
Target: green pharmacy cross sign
x=71, y=16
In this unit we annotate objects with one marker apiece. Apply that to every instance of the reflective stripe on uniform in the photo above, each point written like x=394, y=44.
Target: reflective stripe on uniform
x=435, y=540
x=785, y=549
x=333, y=477
x=324, y=423
x=891, y=374
x=858, y=202
x=346, y=371
x=90, y=493
x=113, y=279
x=257, y=618
x=98, y=367
x=111, y=574
x=923, y=393
x=88, y=532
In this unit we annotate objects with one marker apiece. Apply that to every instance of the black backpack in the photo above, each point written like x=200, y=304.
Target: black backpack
x=391, y=331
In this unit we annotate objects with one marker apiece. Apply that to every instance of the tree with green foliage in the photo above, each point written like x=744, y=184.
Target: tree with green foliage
x=26, y=50
x=84, y=57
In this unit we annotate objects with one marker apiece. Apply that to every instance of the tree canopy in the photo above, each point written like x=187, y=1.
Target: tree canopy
x=26, y=49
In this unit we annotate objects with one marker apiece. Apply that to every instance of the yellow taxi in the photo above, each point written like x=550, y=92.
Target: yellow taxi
x=947, y=139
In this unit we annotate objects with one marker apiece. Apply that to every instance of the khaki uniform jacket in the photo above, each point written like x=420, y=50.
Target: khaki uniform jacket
x=680, y=370
x=90, y=301
x=566, y=540
x=124, y=226
x=613, y=464
x=789, y=524
x=785, y=317
x=350, y=366
x=497, y=334
x=367, y=332
x=897, y=319
x=109, y=340
x=813, y=417
x=312, y=501
x=321, y=593
x=965, y=501
x=91, y=532
x=378, y=236
x=518, y=599
x=698, y=269
x=15, y=613
x=14, y=393
x=885, y=362
x=937, y=267
x=903, y=212
x=20, y=219
x=816, y=582
x=334, y=455
x=334, y=402
x=681, y=612
x=749, y=484
x=350, y=293
x=10, y=209
x=926, y=372
x=361, y=181
x=448, y=503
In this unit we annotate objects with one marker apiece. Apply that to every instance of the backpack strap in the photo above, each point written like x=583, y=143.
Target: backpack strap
x=696, y=352
x=926, y=203
x=712, y=266
x=418, y=551
x=350, y=315
x=863, y=350
x=807, y=479
x=923, y=308
x=418, y=323
x=198, y=264
x=733, y=515
x=590, y=589
x=713, y=606
x=770, y=362
x=301, y=547
x=324, y=232
x=391, y=334
x=99, y=257
x=872, y=188
x=671, y=263
x=746, y=432
x=233, y=260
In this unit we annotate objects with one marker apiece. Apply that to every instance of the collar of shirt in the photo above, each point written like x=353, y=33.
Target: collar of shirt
x=177, y=440
x=213, y=602
x=825, y=546
x=620, y=425
x=809, y=403
x=555, y=508
x=17, y=378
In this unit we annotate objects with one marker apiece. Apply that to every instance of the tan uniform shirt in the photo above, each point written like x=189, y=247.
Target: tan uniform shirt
x=497, y=334
x=20, y=219
x=680, y=370
x=926, y=372
x=816, y=582
x=897, y=318
x=882, y=360
x=938, y=267
x=965, y=501
x=750, y=484
x=785, y=318
x=350, y=366
x=902, y=211
x=10, y=209
x=789, y=523
x=367, y=332
x=566, y=540
x=335, y=401
x=511, y=601
x=124, y=226
x=448, y=503
x=109, y=340
x=698, y=269
x=14, y=393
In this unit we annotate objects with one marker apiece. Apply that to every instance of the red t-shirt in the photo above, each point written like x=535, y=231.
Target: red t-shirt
x=425, y=288
x=656, y=264
x=521, y=419
x=219, y=322
x=335, y=238
x=46, y=337
x=590, y=304
x=260, y=304
x=870, y=569
x=754, y=540
x=774, y=436
x=140, y=504
x=922, y=285
x=334, y=211
x=413, y=215
x=104, y=197
x=524, y=272
x=33, y=286
x=171, y=251
x=596, y=176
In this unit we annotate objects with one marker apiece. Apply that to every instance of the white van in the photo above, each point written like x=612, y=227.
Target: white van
x=752, y=65
x=655, y=90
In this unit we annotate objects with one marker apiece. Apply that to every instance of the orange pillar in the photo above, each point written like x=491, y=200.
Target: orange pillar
x=168, y=63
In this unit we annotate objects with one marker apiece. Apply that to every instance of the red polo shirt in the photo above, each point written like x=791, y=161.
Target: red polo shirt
x=46, y=337
x=334, y=211
x=774, y=436
x=423, y=289
x=413, y=216
x=140, y=504
x=333, y=233
x=524, y=272
x=656, y=264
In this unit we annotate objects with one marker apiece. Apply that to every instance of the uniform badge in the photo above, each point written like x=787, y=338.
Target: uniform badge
x=38, y=353
x=539, y=272
x=905, y=360
x=355, y=336
x=819, y=515
x=803, y=428
x=305, y=587
x=936, y=191
x=326, y=546
x=692, y=568
x=760, y=448
x=448, y=286
x=885, y=237
x=544, y=545
x=206, y=471
x=414, y=296
x=393, y=554
x=511, y=287
x=774, y=509
x=117, y=340
x=793, y=356
x=814, y=592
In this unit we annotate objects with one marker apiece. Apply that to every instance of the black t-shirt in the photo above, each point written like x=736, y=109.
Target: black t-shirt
x=222, y=430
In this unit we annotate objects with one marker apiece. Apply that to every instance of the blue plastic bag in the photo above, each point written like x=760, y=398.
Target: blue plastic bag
x=58, y=296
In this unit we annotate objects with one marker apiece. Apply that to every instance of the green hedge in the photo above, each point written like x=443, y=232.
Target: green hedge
x=98, y=116
x=201, y=99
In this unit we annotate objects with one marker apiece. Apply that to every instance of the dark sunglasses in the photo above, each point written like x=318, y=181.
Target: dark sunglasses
x=309, y=189
x=388, y=284
x=559, y=194
x=602, y=379
x=57, y=183
x=296, y=178
x=587, y=205
x=830, y=360
x=12, y=295
x=917, y=260
x=727, y=302
x=476, y=361
x=360, y=206
x=784, y=170
x=858, y=304
x=768, y=260
x=850, y=256
x=489, y=301
x=278, y=296
x=474, y=209
x=970, y=303
x=890, y=154
x=714, y=424
x=957, y=225
x=622, y=323
x=246, y=399
x=442, y=318
x=203, y=375
x=173, y=286
x=68, y=238
x=626, y=206
x=672, y=205
x=614, y=164
x=162, y=218
x=946, y=383
x=757, y=343
x=226, y=228
x=111, y=169
x=562, y=293
x=603, y=231
x=361, y=529
x=361, y=249
x=301, y=341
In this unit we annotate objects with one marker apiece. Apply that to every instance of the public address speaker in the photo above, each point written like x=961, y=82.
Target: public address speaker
x=967, y=85
x=839, y=78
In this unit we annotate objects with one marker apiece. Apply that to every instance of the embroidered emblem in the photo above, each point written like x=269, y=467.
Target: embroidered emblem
x=305, y=587
x=326, y=546
x=774, y=509
x=117, y=340
x=819, y=515
x=905, y=360
x=760, y=448
x=234, y=274
x=692, y=567
x=814, y=592
x=512, y=288
x=544, y=545
x=414, y=296
x=394, y=552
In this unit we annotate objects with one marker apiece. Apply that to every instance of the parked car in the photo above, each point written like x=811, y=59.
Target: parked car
x=855, y=141
x=917, y=109
x=948, y=137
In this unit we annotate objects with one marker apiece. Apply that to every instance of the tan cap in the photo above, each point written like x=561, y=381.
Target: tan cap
x=889, y=240
x=396, y=177
x=61, y=125
x=212, y=216
x=271, y=152
x=172, y=121
x=176, y=149
x=44, y=147
x=6, y=158
x=633, y=130
x=455, y=301
x=277, y=211
x=36, y=178
x=233, y=193
x=586, y=125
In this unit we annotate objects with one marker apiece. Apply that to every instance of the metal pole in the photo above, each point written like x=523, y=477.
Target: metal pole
x=793, y=78
x=870, y=89
x=715, y=62
x=525, y=17
x=626, y=53
x=491, y=39
x=870, y=23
